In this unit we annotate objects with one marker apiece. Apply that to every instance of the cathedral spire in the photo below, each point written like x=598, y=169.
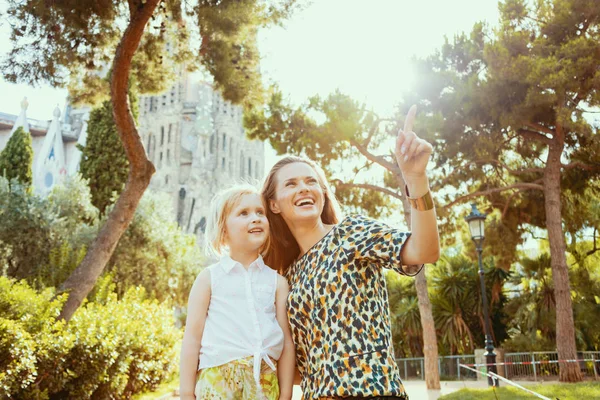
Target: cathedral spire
x=22, y=118
x=75, y=160
x=50, y=163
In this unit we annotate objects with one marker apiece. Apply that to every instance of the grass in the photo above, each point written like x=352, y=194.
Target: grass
x=566, y=391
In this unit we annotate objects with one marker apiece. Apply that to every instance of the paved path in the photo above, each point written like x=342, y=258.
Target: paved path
x=416, y=389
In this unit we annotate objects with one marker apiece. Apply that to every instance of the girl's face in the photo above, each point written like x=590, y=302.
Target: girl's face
x=298, y=194
x=247, y=228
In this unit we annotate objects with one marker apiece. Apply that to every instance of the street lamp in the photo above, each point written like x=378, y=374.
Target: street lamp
x=476, y=227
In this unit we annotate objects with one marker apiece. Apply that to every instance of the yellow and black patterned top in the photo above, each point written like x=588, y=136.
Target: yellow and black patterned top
x=339, y=313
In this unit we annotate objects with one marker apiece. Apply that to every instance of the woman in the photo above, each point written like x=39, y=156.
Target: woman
x=337, y=306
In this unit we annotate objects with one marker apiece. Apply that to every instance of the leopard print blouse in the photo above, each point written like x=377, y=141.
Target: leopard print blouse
x=339, y=314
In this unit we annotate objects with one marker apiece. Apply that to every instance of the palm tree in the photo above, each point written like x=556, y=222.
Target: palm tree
x=405, y=316
x=458, y=310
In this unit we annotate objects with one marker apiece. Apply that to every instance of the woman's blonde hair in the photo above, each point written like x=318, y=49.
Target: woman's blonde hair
x=220, y=208
x=284, y=249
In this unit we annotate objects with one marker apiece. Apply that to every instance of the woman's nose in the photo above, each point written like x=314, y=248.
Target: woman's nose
x=302, y=187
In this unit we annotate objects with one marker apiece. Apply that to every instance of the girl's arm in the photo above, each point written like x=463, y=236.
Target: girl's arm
x=194, y=327
x=286, y=366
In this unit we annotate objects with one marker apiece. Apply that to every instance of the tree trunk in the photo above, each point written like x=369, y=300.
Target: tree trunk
x=430, y=348
x=565, y=326
x=83, y=279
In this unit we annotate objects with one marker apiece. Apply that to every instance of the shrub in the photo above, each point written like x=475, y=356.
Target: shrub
x=110, y=349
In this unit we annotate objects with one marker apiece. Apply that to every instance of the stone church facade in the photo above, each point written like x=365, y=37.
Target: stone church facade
x=195, y=139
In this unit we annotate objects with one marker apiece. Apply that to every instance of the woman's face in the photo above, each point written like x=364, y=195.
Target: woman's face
x=298, y=194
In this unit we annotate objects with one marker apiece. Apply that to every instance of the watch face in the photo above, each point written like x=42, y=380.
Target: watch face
x=49, y=179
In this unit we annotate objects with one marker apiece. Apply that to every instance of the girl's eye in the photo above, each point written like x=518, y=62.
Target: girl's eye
x=244, y=213
x=260, y=212
x=289, y=184
x=312, y=181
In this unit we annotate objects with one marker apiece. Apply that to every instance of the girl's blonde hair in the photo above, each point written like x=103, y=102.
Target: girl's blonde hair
x=220, y=208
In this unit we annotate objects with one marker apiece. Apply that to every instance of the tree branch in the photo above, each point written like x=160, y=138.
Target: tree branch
x=579, y=164
x=535, y=136
x=540, y=128
x=520, y=186
x=508, y=201
x=595, y=249
x=119, y=88
x=376, y=159
x=367, y=186
x=511, y=171
x=372, y=131
x=533, y=236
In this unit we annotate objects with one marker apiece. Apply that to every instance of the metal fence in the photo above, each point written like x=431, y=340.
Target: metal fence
x=534, y=366
x=540, y=365
x=414, y=368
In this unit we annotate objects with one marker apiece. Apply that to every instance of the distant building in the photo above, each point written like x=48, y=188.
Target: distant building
x=195, y=139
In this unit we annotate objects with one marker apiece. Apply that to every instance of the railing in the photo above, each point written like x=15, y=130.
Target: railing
x=414, y=368
x=540, y=365
x=534, y=366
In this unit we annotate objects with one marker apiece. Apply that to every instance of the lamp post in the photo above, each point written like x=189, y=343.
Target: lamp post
x=476, y=226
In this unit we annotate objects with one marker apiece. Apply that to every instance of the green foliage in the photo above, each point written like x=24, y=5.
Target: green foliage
x=72, y=201
x=43, y=240
x=498, y=100
x=455, y=293
x=532, y=309
x=16, y=160
x=110, y=349
x=75, y=39
x=457, y=304
x=28, y=231
x=407, y=333
x=342, y=143
x=103, y=160
x=154, y=253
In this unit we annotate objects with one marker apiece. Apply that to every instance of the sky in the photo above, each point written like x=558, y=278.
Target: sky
x=363, y=47
x=360, y=47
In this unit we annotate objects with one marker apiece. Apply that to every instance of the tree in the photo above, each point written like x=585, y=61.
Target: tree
x=52, y=40
x=28, y=231
x=16, y=160
x=406, y=319
x=508, y=108
x=457, y=303
x=154, y=253
x=103, y=162
x=533, y=311
x=349, y=141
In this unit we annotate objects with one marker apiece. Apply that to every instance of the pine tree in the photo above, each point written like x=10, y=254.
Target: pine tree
x=104, y=162
x=16, y=159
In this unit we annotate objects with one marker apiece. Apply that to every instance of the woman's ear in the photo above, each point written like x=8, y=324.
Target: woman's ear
x=274, y=207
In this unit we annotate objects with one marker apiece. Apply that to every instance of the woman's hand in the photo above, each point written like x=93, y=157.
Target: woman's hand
x=412, y=152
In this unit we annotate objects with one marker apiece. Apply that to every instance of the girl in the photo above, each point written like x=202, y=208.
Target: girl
x=236, y=325
x=338, y=306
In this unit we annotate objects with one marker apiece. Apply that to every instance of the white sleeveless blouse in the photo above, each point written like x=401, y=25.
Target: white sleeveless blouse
x=241, y=316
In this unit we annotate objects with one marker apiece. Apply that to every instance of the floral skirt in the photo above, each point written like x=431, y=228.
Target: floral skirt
x=235, y=381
